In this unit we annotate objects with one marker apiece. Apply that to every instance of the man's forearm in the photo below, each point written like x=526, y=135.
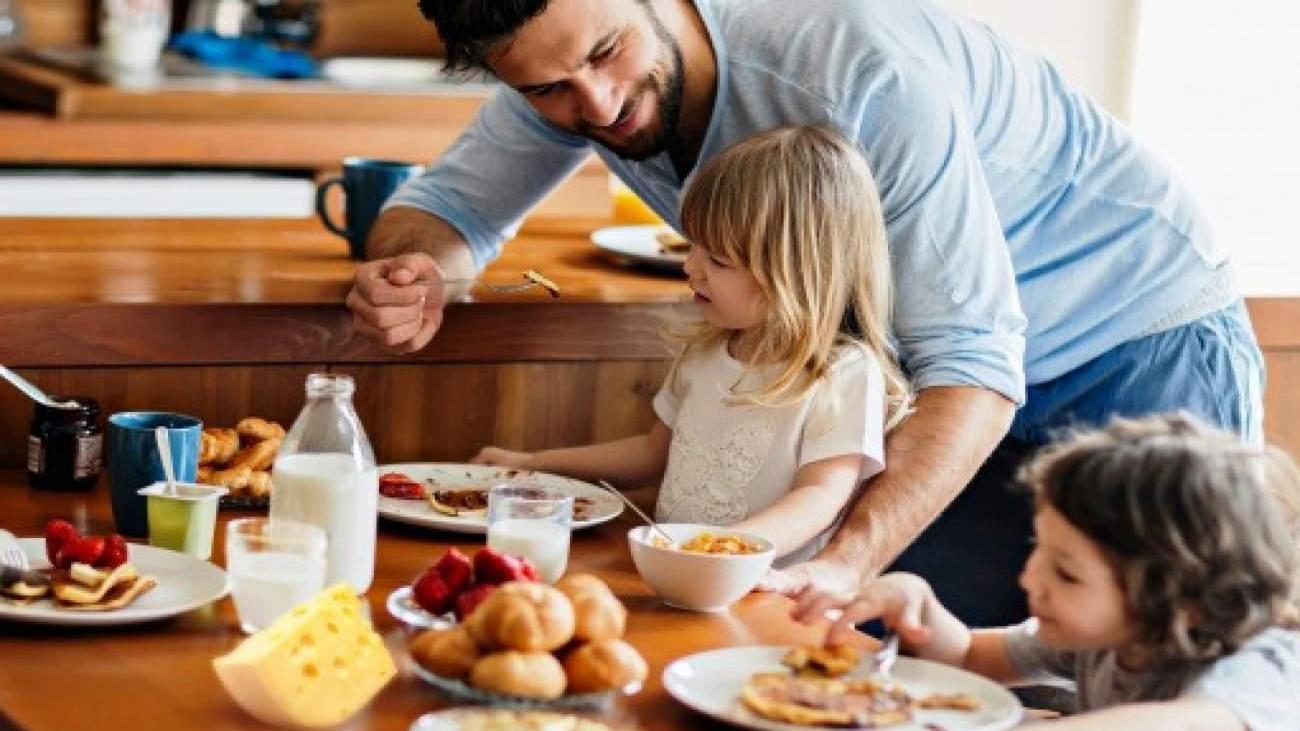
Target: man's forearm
x=929, y=459
x=404, y=230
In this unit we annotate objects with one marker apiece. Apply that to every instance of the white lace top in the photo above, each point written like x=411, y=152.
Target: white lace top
x=728, y=461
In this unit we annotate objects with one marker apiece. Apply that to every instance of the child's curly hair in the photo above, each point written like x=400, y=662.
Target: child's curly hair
x=1200, y=528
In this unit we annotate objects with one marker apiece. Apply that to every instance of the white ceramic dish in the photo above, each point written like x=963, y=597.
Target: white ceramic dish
x=638, y=245
x=450, y=476
x=699, y=582
x=710, y=683
x=184, y=583
x=455, y=719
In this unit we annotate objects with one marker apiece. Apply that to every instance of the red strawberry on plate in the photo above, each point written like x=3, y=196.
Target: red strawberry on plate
x=467, y=601
x=85, y=549
x=431, y=592
x=57, y=533
x=456, y=569
x=115, y=552
x=491, y=567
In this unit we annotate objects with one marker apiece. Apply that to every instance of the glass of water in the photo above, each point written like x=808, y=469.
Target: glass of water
x=274, y=565
x=534, y=522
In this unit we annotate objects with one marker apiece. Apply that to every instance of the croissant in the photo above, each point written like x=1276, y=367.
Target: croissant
x=254, y=429
x=235, y=479
x=217, y=446
x=257, y=456
x=259, y=483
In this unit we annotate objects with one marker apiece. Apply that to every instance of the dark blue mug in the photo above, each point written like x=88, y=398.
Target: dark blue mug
x=133, y=461
x=366, y=183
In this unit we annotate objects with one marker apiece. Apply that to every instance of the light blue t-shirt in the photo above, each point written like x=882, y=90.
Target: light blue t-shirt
x=1029, y=232
x=1260, y=682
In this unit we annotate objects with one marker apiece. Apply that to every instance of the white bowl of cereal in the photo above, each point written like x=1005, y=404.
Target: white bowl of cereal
x=704, y=569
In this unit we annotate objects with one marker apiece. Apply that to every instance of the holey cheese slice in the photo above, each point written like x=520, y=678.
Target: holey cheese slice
x=313, y=667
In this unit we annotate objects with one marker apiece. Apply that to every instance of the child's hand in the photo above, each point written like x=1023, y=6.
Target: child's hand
x=899, y=600
x=502, y=457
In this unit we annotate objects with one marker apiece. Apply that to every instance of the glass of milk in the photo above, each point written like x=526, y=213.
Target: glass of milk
x=532, y=521
x=273, y=567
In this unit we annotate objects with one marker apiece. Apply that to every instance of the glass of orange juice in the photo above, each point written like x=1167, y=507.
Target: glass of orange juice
x=628, y=208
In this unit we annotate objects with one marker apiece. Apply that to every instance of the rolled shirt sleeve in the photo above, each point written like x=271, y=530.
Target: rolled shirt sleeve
x=501, y=166
x=957, y=315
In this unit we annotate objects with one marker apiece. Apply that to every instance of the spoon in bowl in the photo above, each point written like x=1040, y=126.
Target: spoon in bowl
x=626, y=501
x=34, y=393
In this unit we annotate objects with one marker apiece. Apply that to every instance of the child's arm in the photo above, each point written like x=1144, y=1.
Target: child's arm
x=631, y=461
x=1180, y=714
x=926, y=628
x=821, y=489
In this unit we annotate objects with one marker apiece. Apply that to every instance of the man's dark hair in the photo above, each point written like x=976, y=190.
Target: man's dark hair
x=471, y=29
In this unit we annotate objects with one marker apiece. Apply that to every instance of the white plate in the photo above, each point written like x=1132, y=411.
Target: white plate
x=451, y=476
x=454, y=719
x=638, y=244
x=184, y=583
x=710, y=682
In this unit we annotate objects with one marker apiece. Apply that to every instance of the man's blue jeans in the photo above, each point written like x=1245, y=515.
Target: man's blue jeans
x=974, y=552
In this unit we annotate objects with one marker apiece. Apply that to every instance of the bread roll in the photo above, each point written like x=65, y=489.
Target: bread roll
x=598, y=614
x=527, y=674
x=604, y=665
x=523, y=615
x=449, y=652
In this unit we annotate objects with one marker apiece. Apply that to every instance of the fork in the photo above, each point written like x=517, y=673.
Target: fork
x=498, y=288
x=10, y=553
x=887, y=654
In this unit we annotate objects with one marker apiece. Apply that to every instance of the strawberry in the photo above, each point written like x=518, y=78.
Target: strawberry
x=115, y=552
x=57, y=532
x=455, y=568
x=85, y=549
x=528, y=570
x=491, y=567
x=467, y=601
x=431, y=592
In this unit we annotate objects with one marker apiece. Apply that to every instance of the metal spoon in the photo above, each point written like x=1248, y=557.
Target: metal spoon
x=34, y=393
x=653, y=526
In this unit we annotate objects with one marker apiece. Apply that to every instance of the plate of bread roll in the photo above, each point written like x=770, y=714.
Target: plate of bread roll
x=659, y=247
x=240, y=459
x=533, y=646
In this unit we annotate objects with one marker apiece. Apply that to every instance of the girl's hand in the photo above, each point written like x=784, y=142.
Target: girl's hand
x=502, y=457
x=899, y=600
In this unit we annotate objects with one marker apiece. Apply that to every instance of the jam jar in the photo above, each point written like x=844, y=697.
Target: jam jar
x=65, y=447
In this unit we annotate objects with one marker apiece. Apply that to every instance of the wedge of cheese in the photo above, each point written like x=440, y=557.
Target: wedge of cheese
x=314, y=667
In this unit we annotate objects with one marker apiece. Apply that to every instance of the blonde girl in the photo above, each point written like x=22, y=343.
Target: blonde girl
x=1162, y=583
x=775, y=410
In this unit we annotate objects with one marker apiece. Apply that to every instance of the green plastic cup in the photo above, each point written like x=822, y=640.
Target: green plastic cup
x=185, y=520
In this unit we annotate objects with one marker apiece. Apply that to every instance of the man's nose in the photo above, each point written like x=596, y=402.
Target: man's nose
x=599, y=102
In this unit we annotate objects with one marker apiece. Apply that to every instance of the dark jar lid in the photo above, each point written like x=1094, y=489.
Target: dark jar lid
x=87, y=411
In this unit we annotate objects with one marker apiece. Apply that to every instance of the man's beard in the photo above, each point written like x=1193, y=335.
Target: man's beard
x=666, y=80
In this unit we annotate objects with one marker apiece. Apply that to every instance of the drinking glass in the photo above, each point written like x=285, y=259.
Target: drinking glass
x=274, y=565
x=532, y=521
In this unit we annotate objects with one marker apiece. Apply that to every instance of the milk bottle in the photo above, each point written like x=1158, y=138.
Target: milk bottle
x=325, y=475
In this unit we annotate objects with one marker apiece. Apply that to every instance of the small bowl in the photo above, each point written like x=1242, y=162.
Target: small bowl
x=700, y=582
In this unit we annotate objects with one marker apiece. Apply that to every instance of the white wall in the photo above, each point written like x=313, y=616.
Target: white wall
x=1090, y=41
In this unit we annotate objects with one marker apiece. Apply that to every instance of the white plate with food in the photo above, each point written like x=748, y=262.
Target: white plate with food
x=180, y=583
x=713, y=682
x=475, y=719
x=654, y=246
x=454, y=496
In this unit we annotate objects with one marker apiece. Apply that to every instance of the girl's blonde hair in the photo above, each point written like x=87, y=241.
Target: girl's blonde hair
x=798, y=207
x=1200, y=529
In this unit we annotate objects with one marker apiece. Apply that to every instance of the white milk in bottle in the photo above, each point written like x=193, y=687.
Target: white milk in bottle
x=325, y=475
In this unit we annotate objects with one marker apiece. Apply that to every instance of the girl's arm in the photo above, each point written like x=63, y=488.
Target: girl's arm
x=907, y=604
x=631, y=461
x=821, y=490
x=1180, y=714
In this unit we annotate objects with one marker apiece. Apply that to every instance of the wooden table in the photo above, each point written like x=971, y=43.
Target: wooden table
x=159, y=676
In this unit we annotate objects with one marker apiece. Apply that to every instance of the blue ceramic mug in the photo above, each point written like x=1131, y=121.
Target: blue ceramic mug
x=366, y=183
x=133, y=461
